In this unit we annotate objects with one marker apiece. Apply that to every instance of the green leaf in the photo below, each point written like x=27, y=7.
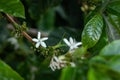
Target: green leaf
x=95, y=75
x=114, y=7
x=92, y=31
x=68, y=73
x=113, y=28
x=101, y=43
x=111, y=49
x=12, y=7
x=103, y=69
x=115, y=21
x=6, y=73
x=114, y=63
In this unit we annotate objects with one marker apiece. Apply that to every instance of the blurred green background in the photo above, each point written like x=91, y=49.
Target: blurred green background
x=57, y=19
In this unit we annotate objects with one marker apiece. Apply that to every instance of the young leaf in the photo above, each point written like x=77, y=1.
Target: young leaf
x=12, y=7
x=6, y=73
x=111, y=49
x=92, y=31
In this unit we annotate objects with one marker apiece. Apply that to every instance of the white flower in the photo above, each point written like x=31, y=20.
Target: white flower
x=72, y=43
x=40, y=41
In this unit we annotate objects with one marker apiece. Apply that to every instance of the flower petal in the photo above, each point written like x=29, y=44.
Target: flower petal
x=43, y=39
x=37, y=45
x=71, y=40
x=56, y=59
x=67, y=42
x=43, y=44
x=77, y=44
x=39, y=35
x=35, y=40
x=52, y=67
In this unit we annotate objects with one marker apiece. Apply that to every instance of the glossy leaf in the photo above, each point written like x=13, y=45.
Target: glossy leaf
x=114, y=7
x=101, y=43
x=92, y=31
x=12, y=7
x=6, y=73
x=111, y=49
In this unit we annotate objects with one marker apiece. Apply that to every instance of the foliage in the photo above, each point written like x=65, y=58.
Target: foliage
x=7, y=73
x=9, y=6
x=96, y=23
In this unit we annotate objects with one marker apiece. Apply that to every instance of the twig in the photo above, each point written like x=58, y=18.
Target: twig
x=30, y=31
x=14, y=24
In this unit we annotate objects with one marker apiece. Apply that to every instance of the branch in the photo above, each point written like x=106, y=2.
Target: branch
x=30, y=31
x=14, y=24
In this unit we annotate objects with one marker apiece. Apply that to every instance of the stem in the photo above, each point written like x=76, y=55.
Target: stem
x=16, y=25
x=11, y=20
x=27, y=36
x=58, y=46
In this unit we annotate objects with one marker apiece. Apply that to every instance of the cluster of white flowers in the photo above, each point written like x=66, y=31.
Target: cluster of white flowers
x=58, y=62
